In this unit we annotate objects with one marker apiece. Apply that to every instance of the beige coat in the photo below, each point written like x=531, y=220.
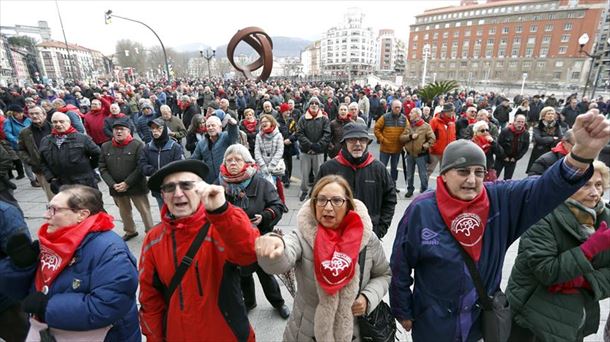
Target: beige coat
x=421, y=144
x=309, y=310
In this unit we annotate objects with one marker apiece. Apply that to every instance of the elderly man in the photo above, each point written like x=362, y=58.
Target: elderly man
x=364, y=106
x=29, y=144
x=94, y=120
x=443, y=127
x=67, y=156
x=197, y=217
x=176, y=128
x=142, y=123
x=417, y=139
x=116, y=115
x=570, y=112
x=466, y=218
x=120, y=171
x=268, y=109
x=367, y=177
x=563, y=147
x=387, y=131
x=224, y=106
x=515, y=141
x=188, y=109
x=71, y=111
x=211, y=149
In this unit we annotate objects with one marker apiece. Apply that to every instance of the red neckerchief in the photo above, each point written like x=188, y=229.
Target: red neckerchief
x=335, y=253
x=482, y=142
x=341, y=159
x=447, y=120
x=560, y=147
x=250, y=125
x=346, y=119
x=239, y=176
x=120, y=115
x=96, y=112
x=55, y=133
x=516, y=132
x=183, y=105
x=466, y=220
x=417, y=123
x=269, y=130
x=313, y=115
x=202, y=129
x=58, y=248
x=471, y=121
x=196, y=219
x=123, y=143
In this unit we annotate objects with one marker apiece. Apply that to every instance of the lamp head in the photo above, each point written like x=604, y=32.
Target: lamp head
x=583, y=40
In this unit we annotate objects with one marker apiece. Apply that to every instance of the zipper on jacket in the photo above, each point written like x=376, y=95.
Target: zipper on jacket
x=159, y=160
x=198, y=279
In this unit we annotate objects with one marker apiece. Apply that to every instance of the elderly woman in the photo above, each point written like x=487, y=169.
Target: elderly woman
x=561, y=271
x=249, y=125
x=336, y=130
x=288, y=127
x=84, y=280
x=331, y=226
x=269, y=151
x=546, y=135
x=489, y=145
x=247, y=189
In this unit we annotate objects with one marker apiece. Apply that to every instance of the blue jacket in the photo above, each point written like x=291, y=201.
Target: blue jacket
x=152, y=159
x=443, y=304
x=142, y=127
x=212, y=153
x=11, y=222
x=12, y=127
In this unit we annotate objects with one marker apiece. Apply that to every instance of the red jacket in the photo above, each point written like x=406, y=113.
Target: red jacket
x=444, y=132
x=208, y=305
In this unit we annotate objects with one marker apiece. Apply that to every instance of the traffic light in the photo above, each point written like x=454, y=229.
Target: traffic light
x=108, y=17
x=171, y=69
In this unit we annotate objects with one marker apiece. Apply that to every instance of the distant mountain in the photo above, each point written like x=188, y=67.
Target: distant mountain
x=282, y=47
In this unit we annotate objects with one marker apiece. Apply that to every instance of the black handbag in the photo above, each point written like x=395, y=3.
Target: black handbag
x=379, y=325
x=496, y=317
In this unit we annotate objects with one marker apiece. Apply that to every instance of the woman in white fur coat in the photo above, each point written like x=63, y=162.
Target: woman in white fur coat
x=332, y=229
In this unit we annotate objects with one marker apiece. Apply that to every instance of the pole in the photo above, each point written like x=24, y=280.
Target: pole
x=61, y=23
x=523, y=82
x=599, y=71
x=426, y=51
x=156, y=35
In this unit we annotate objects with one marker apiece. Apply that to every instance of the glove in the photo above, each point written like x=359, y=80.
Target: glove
x=570, y=286
x=598, y=242
x=22, y=251
x=36, y=303
x=316, y=147
x=55, y=184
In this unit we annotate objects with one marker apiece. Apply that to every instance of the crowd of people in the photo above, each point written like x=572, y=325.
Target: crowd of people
x=217, y=157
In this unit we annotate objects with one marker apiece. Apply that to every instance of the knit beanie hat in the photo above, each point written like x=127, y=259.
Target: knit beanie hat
x=313, y=99
x=462, y=153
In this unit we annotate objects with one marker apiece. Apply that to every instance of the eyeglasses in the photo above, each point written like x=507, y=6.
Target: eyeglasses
x=314, y=104
x=483, y=130
x=362, y=141
x=171, y=187
x=234, y=160
x=53, y=209
x=334, y=201
x=478, y=173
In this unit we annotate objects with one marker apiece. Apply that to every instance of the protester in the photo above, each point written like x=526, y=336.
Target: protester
x=287, y=125
x=176, y=129
x=211, y=149
x=546, y=135
x=195, y=133
x=269, y=151
x=563, y=147
x=466, y=218
x=490, y=147
x=336, y=130
x=417, y=139
x=515, y=141
x=388, y=129
x=328, y=299
x=15, y=122
x=249, y=125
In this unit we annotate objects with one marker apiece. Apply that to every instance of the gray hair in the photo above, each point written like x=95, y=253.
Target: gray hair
x=241, y=150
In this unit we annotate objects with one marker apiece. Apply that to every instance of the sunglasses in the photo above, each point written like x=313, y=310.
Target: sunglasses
x=171, y=187
x=314, y=104
x=478, y=173
x=483, y=130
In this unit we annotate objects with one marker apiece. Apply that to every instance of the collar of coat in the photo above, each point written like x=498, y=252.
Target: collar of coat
x=333, y=319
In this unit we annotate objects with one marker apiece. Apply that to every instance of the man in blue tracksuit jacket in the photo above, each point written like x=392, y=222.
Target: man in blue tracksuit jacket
x=443, y=305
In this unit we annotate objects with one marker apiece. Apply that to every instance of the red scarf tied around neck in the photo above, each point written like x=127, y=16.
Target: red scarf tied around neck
x=125, y=142
x=250, y=125
x=336, y=253
x=55, y=133
x=57, y=249
x=560, y=147
x=482, y=142
x=466, y=220
x=416, y=123
x=269, y=130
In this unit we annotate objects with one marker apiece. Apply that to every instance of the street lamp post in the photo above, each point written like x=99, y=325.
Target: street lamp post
x=109, y=16
x=582, y=41
x=523, y=82
x=208, y=56
x=426, y=52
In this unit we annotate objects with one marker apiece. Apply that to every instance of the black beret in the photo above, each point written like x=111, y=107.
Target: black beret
x=187, y=165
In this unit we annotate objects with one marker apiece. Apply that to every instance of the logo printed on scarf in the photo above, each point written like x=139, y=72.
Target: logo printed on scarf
x=465, y=224
x=48, y=259
x=336, y=265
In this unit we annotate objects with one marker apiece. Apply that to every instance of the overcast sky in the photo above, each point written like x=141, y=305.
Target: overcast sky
x=204, y=22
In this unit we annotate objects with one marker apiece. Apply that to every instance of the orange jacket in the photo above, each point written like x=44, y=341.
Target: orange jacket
x=444, y=132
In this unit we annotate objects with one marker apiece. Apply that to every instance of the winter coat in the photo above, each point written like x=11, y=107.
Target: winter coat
x=421, y=144
x=545, y=138
x=109, y=121
x=549, y=254
x=514, y=148
x=388, y=129
x=604, y=155
x=12, y=127
x=29, y=148
x=73, y=162
x=444, y=133
x=534, y=113
x=372, y=185
x=213, y=153
x=569, y=115
x=142, y=127
x=209, y=294
x=336, y=134
x=288, y=129
x=443, y=303
x=251, y=136
x=152, y=158
x=177, y=127
x=94, y=124
x=268, y=150
x=298, y=253
x=502, y=113
x=543, y=163
x=120, y=164
x=192, y=138
x=261, y=198
x=187, y=114
x=313, y=133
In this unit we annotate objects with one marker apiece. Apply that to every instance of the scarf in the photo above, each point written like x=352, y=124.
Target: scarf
x=235, y=185
x=57, y=249
x=269, y=130
x=560, y=148
x=56, y=133
x=417, y=122
x=345, y=158
x=250, y=125
x=123, y=143
x=183, y=106
x=202, y=129
x=336, y=253
x=197, y=219
x=466, y=220
x=515, y=131
x=313, y=115
x=447, y=120
x=586, y=217
x=120, y=115
x=345, y=119
x=482, y=142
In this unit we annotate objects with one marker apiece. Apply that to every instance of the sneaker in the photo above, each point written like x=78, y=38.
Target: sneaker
x=397, y=190
x=284, y=311
x=286, y=185
x=303, y=196
x=127, y=237
x=250, y=307
x=409, y=194
x=35, y=184
x=20, y=176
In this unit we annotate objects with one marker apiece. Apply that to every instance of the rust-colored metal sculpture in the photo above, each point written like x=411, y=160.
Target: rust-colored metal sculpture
x=260, y=41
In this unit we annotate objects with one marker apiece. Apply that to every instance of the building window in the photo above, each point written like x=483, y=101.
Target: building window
x=565, y=38
x=435, y=35
x=501, y=52
x=426, y=36
x=519, y=29
x=479, y=32
x=490, y=41
x=456, y=34
x=548, y=28
x=534, y=28
x=514, y=52
x=567, y=27
x=557, y=75
x=458, y=24
x=575, y=75
x=558, y=64
x=512, y=64
x=469, y=23
x=492, y=30
x=529, y=52
x=505, y=30
x=563, y=50
x=546, y=39
x=482, y=22
x=531, y=40
x=541, y=65
x=526, y=65
x=516, y=40
x=503, y=41
x=467, y=33
x=543, y=52
x=445, y=35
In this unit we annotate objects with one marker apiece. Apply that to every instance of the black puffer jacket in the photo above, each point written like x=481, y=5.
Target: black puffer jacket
x=73, y=162
x=543, y=163
x=120, y=164
x=514, y=148
x=371, y=184
x=313, y=133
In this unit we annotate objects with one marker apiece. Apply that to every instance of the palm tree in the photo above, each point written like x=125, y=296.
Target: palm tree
x=432, y=90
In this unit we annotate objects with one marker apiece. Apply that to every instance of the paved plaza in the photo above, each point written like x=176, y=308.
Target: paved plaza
x=267, y=323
